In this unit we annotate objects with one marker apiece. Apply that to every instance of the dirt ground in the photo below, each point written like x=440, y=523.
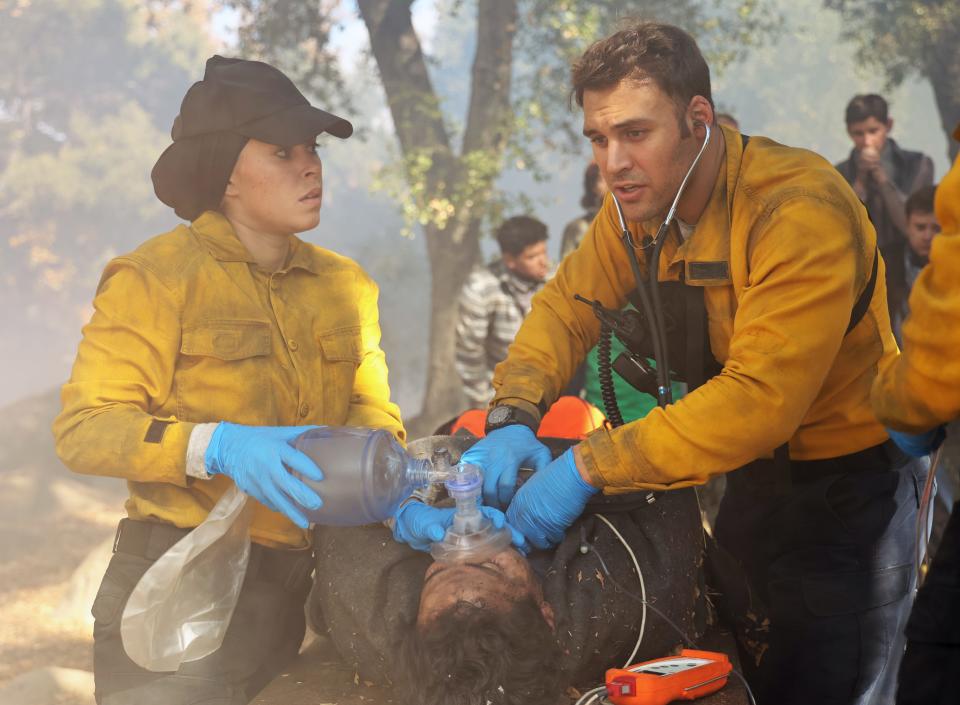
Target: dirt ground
x=34, y=573
x=50, y=520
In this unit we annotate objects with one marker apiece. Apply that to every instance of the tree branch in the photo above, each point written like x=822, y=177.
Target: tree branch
x=413, y=103
x=488, y=119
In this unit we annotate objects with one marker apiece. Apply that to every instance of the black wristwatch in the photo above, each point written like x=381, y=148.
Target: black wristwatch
x=506, y=415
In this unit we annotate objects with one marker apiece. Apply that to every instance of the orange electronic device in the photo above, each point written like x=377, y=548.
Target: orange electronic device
x=688, y=676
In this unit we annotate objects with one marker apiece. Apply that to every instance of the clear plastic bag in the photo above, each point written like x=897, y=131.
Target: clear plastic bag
x=181, y=608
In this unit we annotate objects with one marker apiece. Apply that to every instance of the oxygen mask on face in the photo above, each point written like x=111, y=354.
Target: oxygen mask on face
x=472, y=537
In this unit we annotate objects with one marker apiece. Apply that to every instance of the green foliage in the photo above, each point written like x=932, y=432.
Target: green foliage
x=85, y=109
x=91, y=56
x=910, y=37
x=294, y=35
x=904, y=36
x=62, y=229
x=725, y=31
x=101, y=162
x=408, y=181
x=404, y=179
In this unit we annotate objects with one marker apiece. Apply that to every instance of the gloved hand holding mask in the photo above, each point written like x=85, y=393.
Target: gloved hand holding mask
x=419, y=525
x=550, y=501
x=500, y=455
x=259, y=460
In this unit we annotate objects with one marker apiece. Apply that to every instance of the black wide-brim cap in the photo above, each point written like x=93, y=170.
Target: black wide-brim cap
x=236, y=99
x=255, y=100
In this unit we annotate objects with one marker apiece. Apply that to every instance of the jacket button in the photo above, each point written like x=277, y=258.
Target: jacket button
x=293, y=345
x=274, y=284
x=304, y=409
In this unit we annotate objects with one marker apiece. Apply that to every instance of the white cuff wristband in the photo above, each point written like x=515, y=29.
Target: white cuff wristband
x=197, y=449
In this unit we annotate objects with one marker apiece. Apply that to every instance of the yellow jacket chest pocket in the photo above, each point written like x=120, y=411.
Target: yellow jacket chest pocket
x=341, y=353
x=223, y=371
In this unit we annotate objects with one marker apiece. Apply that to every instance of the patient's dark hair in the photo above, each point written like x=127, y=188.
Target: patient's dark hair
x=469, y=655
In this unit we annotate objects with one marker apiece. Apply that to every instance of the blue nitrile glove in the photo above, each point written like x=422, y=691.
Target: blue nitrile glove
x=550, y=501
x=920, y=444
x=500, y=455
x=258, y=458
x=420, y=525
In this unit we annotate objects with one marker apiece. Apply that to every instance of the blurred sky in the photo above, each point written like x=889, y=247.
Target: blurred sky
x=350, y=40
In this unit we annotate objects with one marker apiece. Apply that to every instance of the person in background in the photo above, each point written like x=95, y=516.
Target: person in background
x=210, y=349
x=494, y=301
x=883, y=175
x=594, y=189
x=514, y=629
x=728, y=120
x=775, y=261
x=915, y=396
x=922, y=226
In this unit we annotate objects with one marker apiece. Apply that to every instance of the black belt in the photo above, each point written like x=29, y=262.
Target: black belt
x=151, y=540
x=885, y=457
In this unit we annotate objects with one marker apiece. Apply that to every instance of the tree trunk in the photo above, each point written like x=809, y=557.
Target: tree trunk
x=944, y=76
x=453, y=246
x=449, y=266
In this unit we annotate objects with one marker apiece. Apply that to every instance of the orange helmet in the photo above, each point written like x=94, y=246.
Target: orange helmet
x=569, y=417
x=473, y=421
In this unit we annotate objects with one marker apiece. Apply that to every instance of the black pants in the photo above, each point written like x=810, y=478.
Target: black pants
x=931, y=665
x=828, y=546
x=265, y=633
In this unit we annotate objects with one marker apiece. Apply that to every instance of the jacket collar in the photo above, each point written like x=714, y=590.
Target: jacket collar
x=704, y=257
x=707, y=257
x=514, y=282
x=217, y=236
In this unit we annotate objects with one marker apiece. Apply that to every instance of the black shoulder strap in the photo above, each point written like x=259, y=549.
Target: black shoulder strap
x=744, y=140
x=863, y=303
x=698, y=344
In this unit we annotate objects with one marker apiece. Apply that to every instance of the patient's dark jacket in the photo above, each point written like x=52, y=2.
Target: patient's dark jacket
x=367, y=586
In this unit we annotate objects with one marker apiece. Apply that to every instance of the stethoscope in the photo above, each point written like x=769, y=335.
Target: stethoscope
x=650, y=297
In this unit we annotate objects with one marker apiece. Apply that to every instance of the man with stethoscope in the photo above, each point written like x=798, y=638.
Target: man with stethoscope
x=769, y=301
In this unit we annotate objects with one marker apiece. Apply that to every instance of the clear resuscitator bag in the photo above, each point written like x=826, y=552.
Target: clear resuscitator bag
x=181, y=608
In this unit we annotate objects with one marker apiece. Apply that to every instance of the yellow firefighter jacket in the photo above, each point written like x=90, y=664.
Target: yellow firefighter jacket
x=782, y=250
x=187, y=329
x=921, y=389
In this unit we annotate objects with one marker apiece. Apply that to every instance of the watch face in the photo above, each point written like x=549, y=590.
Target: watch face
x=498, y=415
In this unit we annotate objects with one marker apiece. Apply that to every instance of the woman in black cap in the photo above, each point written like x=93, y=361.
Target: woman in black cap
x=211, y=347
